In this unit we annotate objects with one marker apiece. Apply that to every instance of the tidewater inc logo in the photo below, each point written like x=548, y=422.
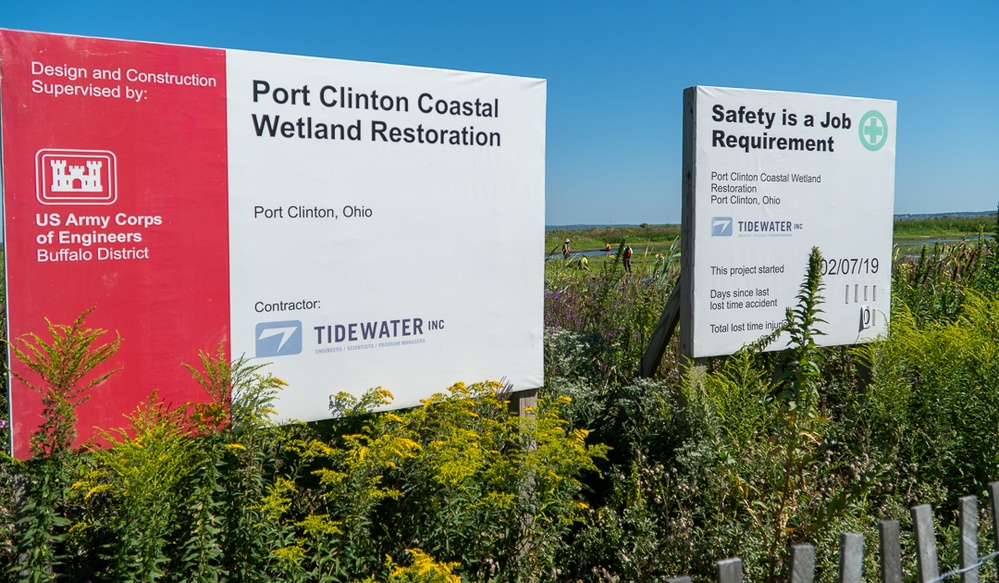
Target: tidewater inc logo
x=279, y=338
x=721, y=226
x=374, y=334
x=778, y=228
x=873, y=130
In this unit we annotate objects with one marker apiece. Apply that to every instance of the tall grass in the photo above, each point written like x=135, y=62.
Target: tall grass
x=731, y=460
x=613, y=479
x=612, y=310
x=218, y=492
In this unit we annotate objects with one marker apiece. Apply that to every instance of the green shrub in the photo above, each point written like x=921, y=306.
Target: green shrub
x=610, y=479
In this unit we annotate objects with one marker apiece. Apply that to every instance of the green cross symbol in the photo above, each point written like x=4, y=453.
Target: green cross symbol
x=873, y=130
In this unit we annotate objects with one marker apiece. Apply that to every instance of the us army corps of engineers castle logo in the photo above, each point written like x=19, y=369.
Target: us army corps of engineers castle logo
x=75, y=177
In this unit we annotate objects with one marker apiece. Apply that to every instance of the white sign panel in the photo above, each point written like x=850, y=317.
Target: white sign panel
x=383, y=226
x=769, y=175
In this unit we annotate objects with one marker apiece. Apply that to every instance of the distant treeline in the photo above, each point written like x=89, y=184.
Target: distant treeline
x=595, y=237
x=945, y=226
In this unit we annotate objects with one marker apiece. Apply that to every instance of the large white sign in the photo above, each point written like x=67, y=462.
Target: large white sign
x=386, y=218
x=767, y=176
x=354, y=224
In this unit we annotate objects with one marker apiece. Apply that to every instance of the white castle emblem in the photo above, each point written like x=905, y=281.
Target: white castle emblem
x=89, y=182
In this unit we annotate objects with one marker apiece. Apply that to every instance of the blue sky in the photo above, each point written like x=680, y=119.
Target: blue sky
x=616, y=72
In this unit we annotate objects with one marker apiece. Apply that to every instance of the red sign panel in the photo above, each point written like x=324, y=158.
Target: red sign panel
x=115, y=191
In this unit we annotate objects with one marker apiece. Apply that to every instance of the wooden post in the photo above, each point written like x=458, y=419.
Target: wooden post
x=688, y=178
x=802, y=564
x=994, y=499
x=521, y=401
x=851, y=557
x=21, y=484
x=730, y=570
x=926, y=544
x=891, y=552
x=522, y=404
x=662, y=334
x=968, y=516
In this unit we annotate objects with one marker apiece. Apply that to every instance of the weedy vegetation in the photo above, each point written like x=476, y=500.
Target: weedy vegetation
x=611, y=478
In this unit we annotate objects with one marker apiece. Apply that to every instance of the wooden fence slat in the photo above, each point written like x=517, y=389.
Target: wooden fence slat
x=802, y=564
x=851, y=557
x=968, y=517
x=994, y=499
x=926, y=544
x=891, y=551
x=730, y=570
